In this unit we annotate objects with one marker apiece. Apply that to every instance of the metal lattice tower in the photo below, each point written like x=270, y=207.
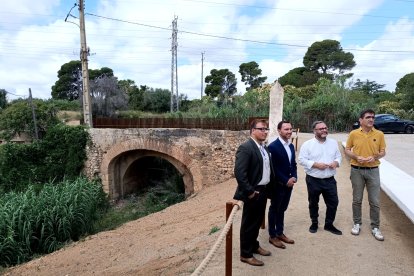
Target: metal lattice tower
x=174, y=76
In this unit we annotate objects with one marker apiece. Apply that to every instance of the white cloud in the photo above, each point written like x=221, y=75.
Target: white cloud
x=33, y=52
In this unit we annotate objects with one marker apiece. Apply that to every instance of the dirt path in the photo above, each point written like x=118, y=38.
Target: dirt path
x=175, y=241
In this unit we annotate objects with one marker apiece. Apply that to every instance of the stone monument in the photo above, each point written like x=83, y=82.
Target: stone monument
x=275, y=110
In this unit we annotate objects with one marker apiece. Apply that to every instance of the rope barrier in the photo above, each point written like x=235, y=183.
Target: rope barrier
x=200, y=269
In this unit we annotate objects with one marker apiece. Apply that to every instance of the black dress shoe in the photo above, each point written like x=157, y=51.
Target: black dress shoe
x=332, y=229
x=314, y=227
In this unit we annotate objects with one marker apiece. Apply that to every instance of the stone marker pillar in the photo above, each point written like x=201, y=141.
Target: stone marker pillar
x=275, y=110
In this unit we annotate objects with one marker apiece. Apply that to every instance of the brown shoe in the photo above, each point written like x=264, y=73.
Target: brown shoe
x=276, y=242
x=263, y=252
x=252, y=261
x=285, y=239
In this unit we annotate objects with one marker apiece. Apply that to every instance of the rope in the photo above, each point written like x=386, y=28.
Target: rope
x=200, y=269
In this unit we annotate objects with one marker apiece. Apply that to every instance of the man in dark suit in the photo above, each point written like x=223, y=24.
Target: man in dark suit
x=284, y=165
x=253, y=172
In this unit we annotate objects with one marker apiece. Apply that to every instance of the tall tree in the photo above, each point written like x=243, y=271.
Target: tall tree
x=135, y=94
x=367, y=86
x=250, y=73
x=299, y=77
x=220, y=83
x=69, y=83
x=405, y=90
x=328, y=58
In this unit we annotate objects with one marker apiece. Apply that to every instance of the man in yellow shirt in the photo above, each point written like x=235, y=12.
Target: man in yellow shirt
x=365, y=146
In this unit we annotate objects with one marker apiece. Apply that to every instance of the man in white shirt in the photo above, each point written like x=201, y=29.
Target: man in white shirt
x=320, y=156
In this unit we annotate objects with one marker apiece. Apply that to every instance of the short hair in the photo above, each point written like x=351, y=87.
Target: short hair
x=363, y=112
x=255, y=122
x=317, y=123
x=279, y=125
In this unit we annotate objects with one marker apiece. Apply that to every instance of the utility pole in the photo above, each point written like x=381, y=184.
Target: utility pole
x=33, y=114
x=202, y=74
x=84, y=53
x=174, y=76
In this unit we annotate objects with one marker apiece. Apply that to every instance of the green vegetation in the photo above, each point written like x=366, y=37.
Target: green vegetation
x=147, y=201
x=60, y=154
x=41, y=222
x=214, y=229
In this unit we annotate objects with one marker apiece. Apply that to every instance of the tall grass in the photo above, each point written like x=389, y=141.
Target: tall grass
x=37, y=223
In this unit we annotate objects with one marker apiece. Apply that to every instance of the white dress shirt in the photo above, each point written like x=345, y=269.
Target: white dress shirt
x=322, y=152
x=266, y=164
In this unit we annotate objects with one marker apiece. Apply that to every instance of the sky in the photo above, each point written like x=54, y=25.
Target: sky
x=133, y=38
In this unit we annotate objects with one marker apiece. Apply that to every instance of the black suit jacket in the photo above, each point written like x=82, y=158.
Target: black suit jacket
x=248, y=169
x=283, y=169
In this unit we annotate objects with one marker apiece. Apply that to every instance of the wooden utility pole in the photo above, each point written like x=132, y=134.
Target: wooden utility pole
x=84, y=53
x=202, y=75
x=33, y=114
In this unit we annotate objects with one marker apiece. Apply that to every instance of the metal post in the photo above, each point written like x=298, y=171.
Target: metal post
x=229, y=241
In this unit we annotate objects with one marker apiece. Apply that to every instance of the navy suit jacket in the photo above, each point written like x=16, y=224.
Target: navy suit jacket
x=248, y=169
x=282, y=168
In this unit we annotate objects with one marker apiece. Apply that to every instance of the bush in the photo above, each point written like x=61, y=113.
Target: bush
x=60, y=155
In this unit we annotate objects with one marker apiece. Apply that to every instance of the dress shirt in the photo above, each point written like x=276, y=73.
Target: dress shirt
x=322, y=152
x=286, y=146
x=266, y=164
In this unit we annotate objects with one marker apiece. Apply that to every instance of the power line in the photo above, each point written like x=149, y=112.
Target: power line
x=244, y=40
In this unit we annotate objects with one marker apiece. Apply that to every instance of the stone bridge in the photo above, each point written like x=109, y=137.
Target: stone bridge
x=203, y=157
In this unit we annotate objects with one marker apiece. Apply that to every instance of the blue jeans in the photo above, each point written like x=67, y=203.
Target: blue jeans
x=360, y=179
x=278, y=205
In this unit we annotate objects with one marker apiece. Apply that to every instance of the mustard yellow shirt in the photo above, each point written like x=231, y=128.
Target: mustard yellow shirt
x=366, y=144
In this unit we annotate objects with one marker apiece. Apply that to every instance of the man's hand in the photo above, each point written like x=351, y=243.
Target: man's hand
x=253, y=194
x=320, y=166
x=291, y=182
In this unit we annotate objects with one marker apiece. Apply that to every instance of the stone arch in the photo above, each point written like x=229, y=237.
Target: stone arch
x=120, y=156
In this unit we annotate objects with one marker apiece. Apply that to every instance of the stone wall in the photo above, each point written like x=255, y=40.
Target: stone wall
x=204, y=157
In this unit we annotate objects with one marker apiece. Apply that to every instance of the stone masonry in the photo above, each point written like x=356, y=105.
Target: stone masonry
x=203, y=157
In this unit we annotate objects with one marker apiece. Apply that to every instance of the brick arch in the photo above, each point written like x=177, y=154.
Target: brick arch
x=129, y=151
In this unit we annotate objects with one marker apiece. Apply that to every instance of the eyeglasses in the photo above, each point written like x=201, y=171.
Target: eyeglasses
x=369, y=117
x=262, y=129
x=321, y=128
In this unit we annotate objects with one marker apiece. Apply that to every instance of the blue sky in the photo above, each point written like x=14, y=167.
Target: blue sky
x=134, y=39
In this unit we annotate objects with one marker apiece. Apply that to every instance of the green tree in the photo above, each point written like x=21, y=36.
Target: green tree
x=299, y=77
x=98, y=73
x=3, y=98
x=368, y=87
x=17, y=118
x=250, y=73
x=328, y=58
x=69, y=83
x=220, y=83
x=156, y=100
x=405, y=90
x=135, y=94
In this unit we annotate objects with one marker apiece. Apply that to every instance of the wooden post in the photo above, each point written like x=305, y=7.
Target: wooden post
x=229, y=241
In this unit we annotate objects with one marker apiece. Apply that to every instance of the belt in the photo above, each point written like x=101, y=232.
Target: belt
x=363, y=168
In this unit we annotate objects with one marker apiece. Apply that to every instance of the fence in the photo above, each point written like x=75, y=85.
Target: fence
x=201, y=123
